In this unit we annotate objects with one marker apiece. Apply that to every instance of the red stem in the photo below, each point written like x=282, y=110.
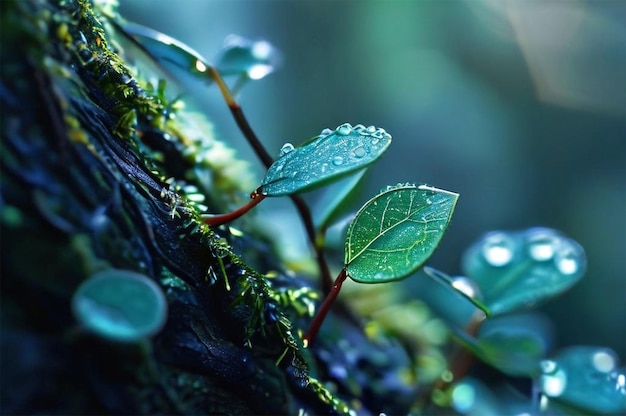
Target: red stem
x=255, y=199
x=324, y=309
x=266, y=159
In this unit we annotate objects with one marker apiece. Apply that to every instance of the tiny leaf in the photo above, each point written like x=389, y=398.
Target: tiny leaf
x=164, y=48
x=251, y=59
x=330, y=156
x=519, y=269
x=120, y=305
x=585, y=377
x=394, y=233
x=461, y=285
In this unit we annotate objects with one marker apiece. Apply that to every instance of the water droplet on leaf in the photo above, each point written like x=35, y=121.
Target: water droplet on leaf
x=553, y=380
x=344, y=129
x=287, y=148
x=337, y=160
x=466, y=286
x=569, y=259
x=541, y=244
x=359, y=152
x=498, y=249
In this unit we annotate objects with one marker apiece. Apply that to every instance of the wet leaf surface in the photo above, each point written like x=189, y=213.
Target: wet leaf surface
x=328, y=157
x=587, y=378
x=518, y=269
x=394, y=233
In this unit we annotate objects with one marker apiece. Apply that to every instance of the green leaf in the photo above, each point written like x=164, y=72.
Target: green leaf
x=120, y=305
x=514, y=344
x=251, y=59
x=587, y=378
x=517, y=270
x=394, y=233
x=328, y=157
x=333, y=202
x=460, y=285
x=164, y=48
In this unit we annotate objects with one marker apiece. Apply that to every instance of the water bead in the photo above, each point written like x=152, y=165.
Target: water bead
x=542, y=244
x=570, y=259
x=287, y=148
x=466, y=286
x=344, y=129
x=337, y=160
x=359, y=152
x=498, y=249
x=553, y=380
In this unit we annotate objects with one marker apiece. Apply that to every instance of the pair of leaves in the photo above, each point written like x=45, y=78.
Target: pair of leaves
x=394, y=233
x=240, y=56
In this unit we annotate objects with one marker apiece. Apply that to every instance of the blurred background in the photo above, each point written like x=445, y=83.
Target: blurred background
x=518, y=106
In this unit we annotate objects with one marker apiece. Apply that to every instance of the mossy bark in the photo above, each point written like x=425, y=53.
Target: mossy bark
x=82, y=192
x=96, y=174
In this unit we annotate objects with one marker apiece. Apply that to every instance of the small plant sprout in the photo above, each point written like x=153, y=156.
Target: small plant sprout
x=391, y=237
x=120, y=305
x=328, y=157
x=351, y=152
x=246, y=59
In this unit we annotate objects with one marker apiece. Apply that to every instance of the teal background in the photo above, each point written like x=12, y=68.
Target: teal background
x=518, y=106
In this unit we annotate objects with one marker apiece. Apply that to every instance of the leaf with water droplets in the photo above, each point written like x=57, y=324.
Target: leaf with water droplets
x=461, y=286
x=328, y=157
x=517, y=270
x=250, y=59
x=587, y=378
x=394, y=233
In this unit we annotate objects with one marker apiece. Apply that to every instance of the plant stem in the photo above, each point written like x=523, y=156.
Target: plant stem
x=255, y=199
x=324, y=309
x=459, y=362
x=266, y=159
x=235, y=109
